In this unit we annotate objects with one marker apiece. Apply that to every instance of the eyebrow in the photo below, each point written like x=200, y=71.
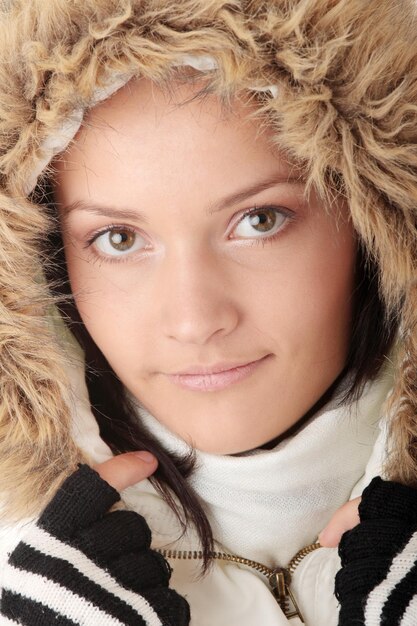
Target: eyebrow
x=219, y=205
x=252, y=190
x=99, y=209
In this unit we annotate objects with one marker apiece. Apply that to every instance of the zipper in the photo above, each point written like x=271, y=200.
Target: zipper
x=279, y=578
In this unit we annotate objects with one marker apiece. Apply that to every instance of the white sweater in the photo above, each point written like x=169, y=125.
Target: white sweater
x=264, y=506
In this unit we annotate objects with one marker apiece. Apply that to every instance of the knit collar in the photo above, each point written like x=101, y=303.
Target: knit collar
x=268, y=504
x=265, y=505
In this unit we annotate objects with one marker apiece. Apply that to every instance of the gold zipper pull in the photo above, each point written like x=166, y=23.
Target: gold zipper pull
x=278, y=585
x=280, y=581
x=279, y=578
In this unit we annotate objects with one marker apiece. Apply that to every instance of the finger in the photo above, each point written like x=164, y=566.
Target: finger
x=345, y=518
x=127, y=469
x=87, y=494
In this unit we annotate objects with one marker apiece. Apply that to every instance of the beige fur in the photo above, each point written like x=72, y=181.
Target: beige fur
x=346, y=111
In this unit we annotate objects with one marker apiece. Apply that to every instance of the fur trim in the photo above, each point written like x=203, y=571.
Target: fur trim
x=345, y=109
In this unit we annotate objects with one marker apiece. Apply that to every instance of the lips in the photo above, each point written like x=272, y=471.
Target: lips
x=200, y=370
x=214, y=377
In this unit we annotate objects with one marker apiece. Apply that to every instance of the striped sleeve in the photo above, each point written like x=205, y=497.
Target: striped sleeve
x=377, y=585
x=81, y=564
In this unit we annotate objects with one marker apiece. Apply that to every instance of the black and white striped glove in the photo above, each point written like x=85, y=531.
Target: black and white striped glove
x=377, y=585
x=81, y=564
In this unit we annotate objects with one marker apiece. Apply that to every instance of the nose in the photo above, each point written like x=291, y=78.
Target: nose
x=197, y=299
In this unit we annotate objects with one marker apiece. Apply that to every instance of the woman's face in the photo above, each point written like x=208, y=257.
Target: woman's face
x=220, y=296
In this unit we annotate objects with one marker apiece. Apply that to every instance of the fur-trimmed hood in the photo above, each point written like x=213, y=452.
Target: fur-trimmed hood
x=341, y=79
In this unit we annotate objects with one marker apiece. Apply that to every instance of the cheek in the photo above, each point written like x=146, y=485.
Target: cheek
x=331, y=291
x=101, y=303
x=306, y=306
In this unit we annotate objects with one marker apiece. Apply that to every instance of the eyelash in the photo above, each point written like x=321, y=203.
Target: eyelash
x=287, y=213
x=109, y=259
x=255, y=241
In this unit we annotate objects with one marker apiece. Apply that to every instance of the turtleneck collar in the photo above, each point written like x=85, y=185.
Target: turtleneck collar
x=268, y=504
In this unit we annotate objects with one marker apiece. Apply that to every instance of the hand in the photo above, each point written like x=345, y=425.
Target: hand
x=377, y=581
x=345, y=518
x=89, y=564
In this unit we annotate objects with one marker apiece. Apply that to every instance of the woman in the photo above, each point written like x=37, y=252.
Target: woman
x=222, y=198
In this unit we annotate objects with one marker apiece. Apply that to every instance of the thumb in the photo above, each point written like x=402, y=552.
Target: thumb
x=127, y=469
x=345, y=518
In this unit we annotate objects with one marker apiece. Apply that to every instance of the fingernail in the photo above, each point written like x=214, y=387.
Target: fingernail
x=145, y=456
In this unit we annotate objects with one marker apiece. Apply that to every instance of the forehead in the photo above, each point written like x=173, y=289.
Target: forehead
x=165, y=113
x=176, y=133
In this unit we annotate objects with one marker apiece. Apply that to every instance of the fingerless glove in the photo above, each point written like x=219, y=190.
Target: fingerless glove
x=81, y=564
x=377, y=585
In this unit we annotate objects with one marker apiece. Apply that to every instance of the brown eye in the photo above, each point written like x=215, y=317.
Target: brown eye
x=263, y=221
x=119, y=241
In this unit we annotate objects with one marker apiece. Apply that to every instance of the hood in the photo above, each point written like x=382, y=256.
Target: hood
x=341, y=101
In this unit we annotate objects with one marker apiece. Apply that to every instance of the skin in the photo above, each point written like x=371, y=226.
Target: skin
x=200, y=287
x=345, y=518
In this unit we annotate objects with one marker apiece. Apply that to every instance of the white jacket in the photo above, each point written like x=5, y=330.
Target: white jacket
x=264, y=506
